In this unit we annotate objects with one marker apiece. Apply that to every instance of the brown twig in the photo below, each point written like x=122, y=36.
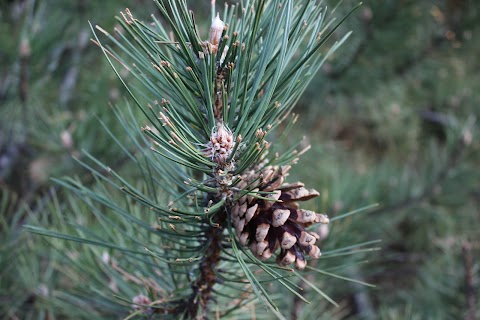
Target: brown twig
x=71, y=77
x=295, y=313
x=24, y=54
x=198, y=306
x=469, y=285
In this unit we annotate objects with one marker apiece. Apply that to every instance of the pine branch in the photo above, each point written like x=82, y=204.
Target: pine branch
x=217, y=194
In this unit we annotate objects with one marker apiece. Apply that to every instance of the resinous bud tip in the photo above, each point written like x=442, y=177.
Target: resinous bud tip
x=216, y=30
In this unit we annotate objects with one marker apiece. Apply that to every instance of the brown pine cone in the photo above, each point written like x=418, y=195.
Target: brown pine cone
x=278, y=223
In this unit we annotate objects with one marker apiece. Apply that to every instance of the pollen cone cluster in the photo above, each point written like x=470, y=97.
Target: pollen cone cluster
x=276, y=223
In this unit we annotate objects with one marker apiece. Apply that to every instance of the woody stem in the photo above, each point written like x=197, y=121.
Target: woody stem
x=203, y=286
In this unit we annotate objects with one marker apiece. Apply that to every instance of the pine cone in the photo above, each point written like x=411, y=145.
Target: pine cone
x=267, y=225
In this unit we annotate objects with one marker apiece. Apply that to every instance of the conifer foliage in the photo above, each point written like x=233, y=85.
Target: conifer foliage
x=215, y=204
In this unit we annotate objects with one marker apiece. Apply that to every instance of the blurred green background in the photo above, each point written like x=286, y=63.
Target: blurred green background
x=392, y=119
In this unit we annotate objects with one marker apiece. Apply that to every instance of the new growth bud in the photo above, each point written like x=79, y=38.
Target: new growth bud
x=216, y=30
x=220, y=146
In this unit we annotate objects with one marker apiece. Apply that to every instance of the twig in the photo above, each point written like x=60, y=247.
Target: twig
x=24, y=54
x=71, y=76
x=469, y=285
x=198, y=306
x=295, y=313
